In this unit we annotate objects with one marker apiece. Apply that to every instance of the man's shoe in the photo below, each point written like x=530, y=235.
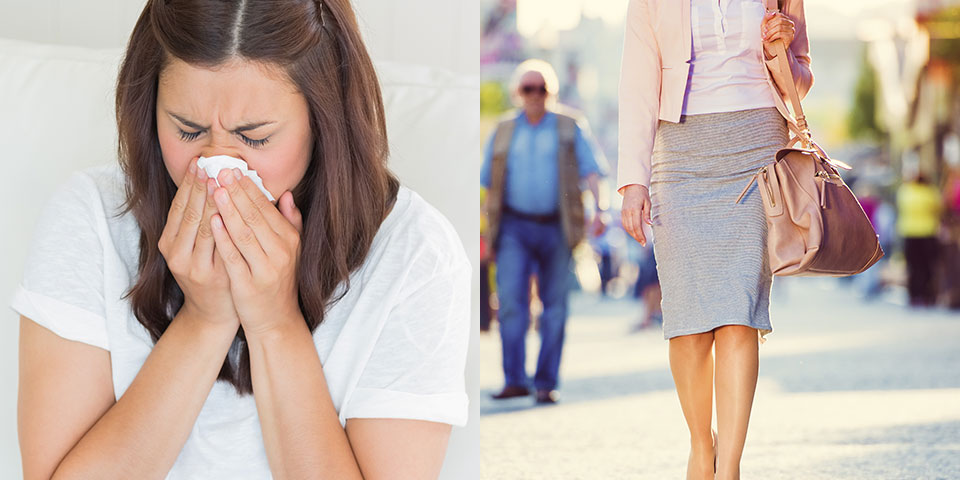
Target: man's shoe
x=547, y=396
x=511, y=392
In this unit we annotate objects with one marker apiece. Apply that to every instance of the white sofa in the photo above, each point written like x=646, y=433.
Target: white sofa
x=56, y=116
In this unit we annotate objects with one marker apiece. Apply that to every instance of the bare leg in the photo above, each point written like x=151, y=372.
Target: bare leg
x=691, y=361
x=736, y=377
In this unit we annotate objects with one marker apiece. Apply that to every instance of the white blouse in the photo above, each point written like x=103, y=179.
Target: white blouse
x=393, y=347
x=726, y=64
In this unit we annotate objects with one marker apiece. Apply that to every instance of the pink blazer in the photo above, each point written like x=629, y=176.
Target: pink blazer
x=653, y=77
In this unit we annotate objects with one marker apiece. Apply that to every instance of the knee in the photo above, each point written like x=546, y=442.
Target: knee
x=735, y=335
x=512, y=306
x=554, y=311
x=695, y=343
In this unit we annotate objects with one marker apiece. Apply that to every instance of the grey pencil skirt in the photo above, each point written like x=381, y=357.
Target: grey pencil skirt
x=712, y=253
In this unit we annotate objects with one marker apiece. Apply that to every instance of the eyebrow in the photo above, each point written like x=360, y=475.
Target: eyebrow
x=242, y=128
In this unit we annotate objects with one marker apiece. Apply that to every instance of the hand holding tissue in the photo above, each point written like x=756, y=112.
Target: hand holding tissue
x=213, y=165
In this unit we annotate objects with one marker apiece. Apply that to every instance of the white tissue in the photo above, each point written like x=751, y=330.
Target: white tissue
x=213, y=165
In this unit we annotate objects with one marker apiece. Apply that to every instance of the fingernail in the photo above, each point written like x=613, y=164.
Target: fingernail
x=236, y=173
x=228, y=179
x=210, y=188
x=201, y=174
x=192, y=167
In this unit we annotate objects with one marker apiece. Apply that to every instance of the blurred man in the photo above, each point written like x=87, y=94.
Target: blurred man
x=533, y=168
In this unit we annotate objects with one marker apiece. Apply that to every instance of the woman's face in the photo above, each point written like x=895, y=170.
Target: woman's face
x=243, y=109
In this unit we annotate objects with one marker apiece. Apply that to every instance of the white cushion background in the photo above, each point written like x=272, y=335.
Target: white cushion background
x=56, y=116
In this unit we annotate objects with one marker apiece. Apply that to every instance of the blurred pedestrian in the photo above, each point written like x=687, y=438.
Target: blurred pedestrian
x=869, y=282
x=950, y=233
x=919, y=207
x=486, y=311
x=699, y=114
x=533, y=169
x=647, y=288
x=604, y=247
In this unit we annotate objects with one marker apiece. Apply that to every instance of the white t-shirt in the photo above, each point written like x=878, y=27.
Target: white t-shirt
x=727, y=72
x=393, y=347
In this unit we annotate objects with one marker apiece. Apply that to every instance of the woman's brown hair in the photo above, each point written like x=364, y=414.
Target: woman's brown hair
x=347, y=189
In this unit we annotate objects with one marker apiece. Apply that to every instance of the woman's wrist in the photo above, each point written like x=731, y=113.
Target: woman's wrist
x=291, y=325
x=206, y=324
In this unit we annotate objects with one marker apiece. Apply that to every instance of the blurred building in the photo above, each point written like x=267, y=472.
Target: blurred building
x=918, y=105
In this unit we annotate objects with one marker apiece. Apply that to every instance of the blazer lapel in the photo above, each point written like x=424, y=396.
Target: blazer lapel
x=674, y=32
x=685, y=29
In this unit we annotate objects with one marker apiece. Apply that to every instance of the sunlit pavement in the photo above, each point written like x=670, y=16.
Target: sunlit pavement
x=848, y=389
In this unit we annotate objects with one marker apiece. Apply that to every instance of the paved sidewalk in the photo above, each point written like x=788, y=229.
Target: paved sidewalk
x=847, y=390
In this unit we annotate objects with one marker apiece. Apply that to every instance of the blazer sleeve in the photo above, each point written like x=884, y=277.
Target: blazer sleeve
x=799, y=51
x=639, y=97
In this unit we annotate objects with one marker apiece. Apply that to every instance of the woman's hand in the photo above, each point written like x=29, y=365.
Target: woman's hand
x=187, y=245
x=776, y=26
x=260, y=246
x=635, y=211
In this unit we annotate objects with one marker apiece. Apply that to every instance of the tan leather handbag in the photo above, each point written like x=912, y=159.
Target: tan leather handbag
x=816, y=226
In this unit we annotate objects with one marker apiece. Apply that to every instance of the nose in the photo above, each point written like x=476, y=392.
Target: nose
x=219, y=144
x=213, y=150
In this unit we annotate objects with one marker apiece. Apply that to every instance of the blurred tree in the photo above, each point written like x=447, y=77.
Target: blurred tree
x=862, y=120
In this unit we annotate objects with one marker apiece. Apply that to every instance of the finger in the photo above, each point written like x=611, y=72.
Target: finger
x=779, y=36
x=290, y=211
x=193, y=213
x=787, y=37
x=205, y=244
x=250, y=213
x=242, y=234
x=774, y=33
x=638, y=227
x=625, y=222
x=646, y=212
x=772, y=20
x=632, y=230
x=624, y=219
x=631, y=224
x=770, y=29
x=766, y=18
x=269, y=212
x=232, y=259
x=180, y=200
x=783, y=24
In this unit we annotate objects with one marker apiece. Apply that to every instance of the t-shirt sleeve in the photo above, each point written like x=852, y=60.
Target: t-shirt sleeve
x=416, y=369
x=63, y=280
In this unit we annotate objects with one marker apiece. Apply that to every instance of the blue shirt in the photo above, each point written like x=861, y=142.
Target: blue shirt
x=532, y=177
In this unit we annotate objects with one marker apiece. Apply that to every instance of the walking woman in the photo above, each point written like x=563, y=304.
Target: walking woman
x=179, y=326
x=699, y=114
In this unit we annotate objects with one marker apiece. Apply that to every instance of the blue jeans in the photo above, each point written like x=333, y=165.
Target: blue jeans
x=525, y=247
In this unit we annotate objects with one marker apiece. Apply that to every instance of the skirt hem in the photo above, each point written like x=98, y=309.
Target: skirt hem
x=762, y=330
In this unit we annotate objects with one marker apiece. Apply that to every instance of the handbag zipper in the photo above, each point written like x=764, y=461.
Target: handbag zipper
x=773, y=203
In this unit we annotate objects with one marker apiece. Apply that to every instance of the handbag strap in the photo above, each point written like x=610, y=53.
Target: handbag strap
x=783, y=76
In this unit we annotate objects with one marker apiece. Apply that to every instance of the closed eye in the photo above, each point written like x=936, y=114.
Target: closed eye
x=254, y=143
x=188, y=136
x=191, y=136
